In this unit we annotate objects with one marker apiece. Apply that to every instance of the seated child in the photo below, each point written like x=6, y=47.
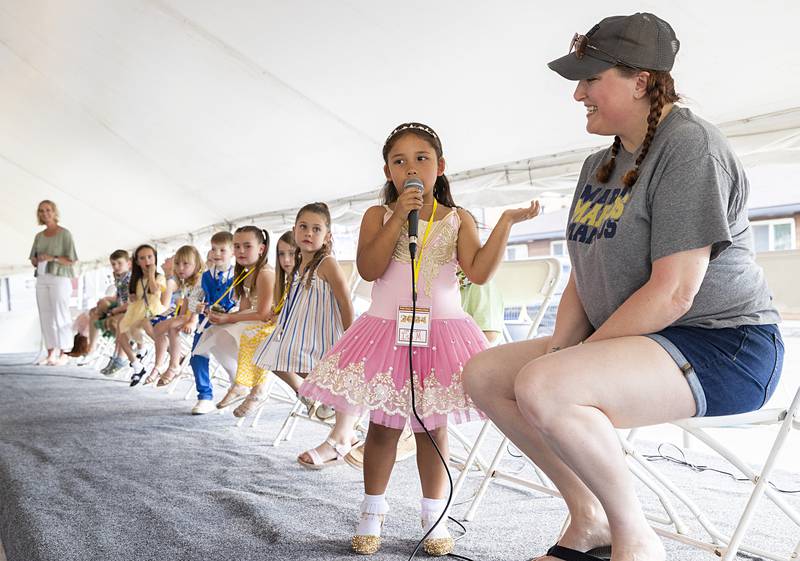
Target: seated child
x=188, y=270
x=148, y=297
x=216, y=283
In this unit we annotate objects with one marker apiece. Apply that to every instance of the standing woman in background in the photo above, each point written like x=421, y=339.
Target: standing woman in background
x=53, y=255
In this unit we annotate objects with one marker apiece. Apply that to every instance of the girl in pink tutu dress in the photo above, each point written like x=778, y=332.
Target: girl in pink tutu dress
x=369, y=367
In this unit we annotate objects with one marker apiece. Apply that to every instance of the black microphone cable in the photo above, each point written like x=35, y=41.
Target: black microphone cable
x=412, y=252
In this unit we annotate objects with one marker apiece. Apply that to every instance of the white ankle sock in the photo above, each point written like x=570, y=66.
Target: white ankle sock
x=137, y=366
x=372, y=507
x=431, y=510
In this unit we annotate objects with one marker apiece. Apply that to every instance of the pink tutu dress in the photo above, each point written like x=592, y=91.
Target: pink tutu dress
x=366, y=369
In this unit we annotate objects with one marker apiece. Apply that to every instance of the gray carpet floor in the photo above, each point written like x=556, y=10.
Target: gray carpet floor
x=93, y=470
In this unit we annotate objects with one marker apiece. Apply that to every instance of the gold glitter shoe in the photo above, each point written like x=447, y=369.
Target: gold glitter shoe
x=437, y=547
x=369, y=544
x=441, y=545
x=366, y=545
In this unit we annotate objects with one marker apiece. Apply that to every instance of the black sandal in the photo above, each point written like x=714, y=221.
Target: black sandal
x=567, y=554
x=137, y=376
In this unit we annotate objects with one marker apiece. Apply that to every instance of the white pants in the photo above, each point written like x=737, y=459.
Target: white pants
x=52, y=298
x=222, y=341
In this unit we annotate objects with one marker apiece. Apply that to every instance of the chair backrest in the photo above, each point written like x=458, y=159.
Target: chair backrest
x=350, y=272
x=526, y=282
x=361, y=289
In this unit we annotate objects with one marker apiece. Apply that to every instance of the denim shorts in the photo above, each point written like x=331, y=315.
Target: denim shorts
x=730, y=370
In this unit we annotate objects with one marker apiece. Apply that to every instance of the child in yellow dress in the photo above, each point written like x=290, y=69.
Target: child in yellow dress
x=149, y=296
x=249, y=377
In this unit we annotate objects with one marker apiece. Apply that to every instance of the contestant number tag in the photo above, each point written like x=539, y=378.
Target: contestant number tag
x=422, y=326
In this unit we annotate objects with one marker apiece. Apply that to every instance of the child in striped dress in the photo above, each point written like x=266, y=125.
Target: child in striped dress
x=317, y=308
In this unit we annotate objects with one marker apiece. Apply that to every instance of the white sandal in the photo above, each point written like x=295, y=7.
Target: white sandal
x=318, y=463
x=155, y=374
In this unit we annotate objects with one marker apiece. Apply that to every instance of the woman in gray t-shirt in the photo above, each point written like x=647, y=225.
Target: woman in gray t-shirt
x=665, y=315
x=53, y=256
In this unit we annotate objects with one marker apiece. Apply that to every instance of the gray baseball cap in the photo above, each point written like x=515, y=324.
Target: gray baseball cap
x=641, y=40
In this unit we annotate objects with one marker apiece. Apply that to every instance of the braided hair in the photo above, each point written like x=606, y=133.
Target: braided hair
x=661, y=91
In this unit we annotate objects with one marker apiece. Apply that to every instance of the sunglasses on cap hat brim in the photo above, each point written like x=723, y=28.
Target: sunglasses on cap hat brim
x=584, y=60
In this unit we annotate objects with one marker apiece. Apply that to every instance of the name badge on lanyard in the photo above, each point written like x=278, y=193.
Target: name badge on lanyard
x=405, y=312
x=422, y=326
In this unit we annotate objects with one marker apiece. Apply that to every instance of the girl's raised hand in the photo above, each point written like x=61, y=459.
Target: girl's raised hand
x=515, y=215
x=409, y=199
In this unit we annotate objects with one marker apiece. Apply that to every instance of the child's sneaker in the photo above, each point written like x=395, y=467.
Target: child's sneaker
x=439, y=542
x=203, y=406
x=117, y=365
x=107, y=368
x=368, y=533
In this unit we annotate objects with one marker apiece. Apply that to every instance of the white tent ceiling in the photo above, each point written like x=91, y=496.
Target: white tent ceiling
x=147, y=119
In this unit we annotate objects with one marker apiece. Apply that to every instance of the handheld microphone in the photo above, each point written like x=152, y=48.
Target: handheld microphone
x=413, y=216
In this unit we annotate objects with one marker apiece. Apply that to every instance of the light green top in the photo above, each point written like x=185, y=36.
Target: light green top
x=485, y=304
x=60, y=245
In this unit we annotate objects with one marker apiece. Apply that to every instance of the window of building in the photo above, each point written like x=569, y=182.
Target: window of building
x=773, y=235
x=558, y=248
x=514, y=252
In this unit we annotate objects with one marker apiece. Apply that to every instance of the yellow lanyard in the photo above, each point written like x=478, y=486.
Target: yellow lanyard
x=184, y=296
x=418, y=260
x=236, y=282
x=180, y=301
x=148, y=313
x=279, y=306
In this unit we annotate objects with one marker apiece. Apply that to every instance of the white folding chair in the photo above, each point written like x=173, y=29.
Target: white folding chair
x=522, y=283
x=217, y=375
x=297, y=413
x=350, y=272
x=360, y=293
x=276, y=391
x=102, y=353
x=525, y=283
x=718, y=543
